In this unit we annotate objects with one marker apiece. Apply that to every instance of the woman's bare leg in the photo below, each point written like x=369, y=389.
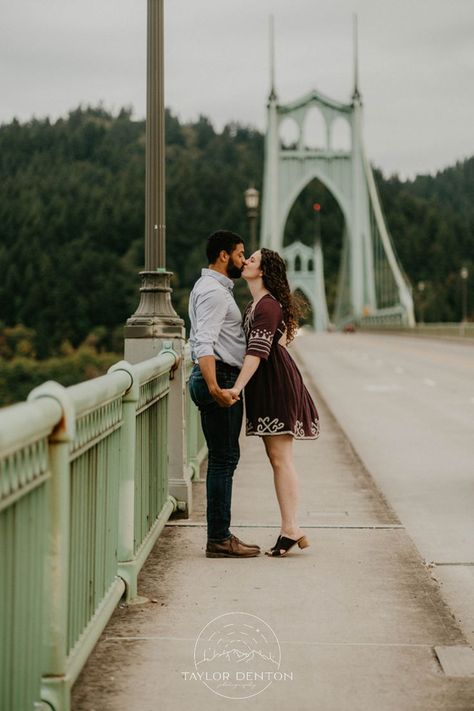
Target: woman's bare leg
x=280, y=453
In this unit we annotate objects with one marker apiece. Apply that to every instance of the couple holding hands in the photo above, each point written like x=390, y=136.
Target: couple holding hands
x=231, y=353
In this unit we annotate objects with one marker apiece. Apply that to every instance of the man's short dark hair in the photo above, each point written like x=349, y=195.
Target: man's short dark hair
x=221, y=240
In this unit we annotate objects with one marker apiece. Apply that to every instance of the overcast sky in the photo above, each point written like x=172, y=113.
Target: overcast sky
x=416, y=64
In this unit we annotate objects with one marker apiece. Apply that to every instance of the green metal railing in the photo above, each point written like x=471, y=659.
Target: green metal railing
x=83, y=498
x=25, y=472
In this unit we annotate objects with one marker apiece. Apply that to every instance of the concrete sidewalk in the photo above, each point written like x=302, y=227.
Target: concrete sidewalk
x=357, y=615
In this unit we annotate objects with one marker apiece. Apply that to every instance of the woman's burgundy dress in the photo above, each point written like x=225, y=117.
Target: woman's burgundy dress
x=276, y=400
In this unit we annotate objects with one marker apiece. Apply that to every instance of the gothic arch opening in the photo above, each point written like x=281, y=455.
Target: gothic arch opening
x=314, y=132
x=304, y=224
x=289, y=133
x=341, y=139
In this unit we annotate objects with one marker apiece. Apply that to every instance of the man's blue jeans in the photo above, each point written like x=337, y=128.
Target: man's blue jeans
x=221, y=427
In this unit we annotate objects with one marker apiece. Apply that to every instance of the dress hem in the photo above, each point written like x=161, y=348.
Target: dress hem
x=275, y=434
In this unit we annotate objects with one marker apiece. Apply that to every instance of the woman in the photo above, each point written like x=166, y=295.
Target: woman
x=278, y=407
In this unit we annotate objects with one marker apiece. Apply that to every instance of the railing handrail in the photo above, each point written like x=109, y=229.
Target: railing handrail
x=156, y=366
x=26, y=422
x=97, y=391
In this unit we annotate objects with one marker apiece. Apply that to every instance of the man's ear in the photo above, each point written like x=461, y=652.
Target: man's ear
x=224, y=256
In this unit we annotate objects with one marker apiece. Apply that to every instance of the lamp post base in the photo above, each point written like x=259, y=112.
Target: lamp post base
x=155, y=316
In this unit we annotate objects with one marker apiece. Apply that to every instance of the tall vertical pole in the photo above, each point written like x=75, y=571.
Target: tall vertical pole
x=155, y=318
x=269, y=227
x=155, y=218
x=155, y=324
x=272, y=58
x=253, y=231
x=356, y=231
x=355, y=93
x=321, y=316
x=464, y=273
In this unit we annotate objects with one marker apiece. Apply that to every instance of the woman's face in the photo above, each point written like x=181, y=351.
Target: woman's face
x=251, y=268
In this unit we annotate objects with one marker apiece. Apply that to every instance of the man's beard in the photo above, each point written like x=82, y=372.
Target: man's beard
x=233, y=271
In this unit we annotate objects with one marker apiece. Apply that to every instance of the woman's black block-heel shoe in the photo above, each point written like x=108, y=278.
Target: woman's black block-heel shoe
x=284, y=544
x=275, y=546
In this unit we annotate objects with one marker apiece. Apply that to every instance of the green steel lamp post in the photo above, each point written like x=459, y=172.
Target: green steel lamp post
x=155, y=317
x=464, y=274
x=251, y=203
x=421, y=289
x=155, y=324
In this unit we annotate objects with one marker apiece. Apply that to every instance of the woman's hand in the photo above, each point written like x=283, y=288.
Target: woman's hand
x=234, y=393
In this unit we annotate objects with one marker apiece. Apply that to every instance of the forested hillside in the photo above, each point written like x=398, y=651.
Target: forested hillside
x=72, y=215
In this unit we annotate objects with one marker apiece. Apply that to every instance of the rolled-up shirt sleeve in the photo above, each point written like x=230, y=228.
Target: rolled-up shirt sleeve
x=266, y=320
x=211, y=309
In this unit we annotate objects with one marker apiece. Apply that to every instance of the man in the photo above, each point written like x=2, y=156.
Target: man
x=217, y=344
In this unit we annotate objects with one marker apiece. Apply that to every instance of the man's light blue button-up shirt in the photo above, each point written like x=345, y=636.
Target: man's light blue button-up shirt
x=216, y=321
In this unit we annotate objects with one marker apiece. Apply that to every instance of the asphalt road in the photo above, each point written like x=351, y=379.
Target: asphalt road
x=407, y=405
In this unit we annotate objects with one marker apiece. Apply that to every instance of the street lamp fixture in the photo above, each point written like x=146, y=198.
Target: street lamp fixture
x=251, y=202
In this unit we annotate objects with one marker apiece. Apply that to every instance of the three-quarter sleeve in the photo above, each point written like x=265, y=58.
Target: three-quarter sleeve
x=267, y=317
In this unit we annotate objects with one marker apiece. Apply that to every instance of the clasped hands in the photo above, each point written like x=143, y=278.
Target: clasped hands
x=226, y=397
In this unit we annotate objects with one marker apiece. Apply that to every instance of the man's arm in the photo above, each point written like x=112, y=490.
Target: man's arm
x=207, y=365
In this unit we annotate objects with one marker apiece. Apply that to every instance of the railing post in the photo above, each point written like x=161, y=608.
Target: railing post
x=55, y=687
x=126, y=532
x=192, y=442
x=179, y=473
x=179, y=477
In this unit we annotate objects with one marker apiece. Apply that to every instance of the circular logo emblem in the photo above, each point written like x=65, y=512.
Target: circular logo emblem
x=237, y=655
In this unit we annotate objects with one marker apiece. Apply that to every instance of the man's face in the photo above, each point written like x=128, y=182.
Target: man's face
x=236, y=262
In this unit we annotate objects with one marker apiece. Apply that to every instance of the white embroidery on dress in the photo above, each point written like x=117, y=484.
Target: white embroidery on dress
x=249, y=425
x=315, y=429
x=262, y=333
x=299, y=429
x=261, y=339
x=267, y=425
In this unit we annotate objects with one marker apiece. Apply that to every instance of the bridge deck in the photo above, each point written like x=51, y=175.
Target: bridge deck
x=357, y=614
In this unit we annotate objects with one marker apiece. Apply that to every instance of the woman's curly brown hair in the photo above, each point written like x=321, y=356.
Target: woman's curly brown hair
x=275, y=280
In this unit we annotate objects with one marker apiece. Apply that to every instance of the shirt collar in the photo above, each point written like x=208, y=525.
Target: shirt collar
x=225, y=281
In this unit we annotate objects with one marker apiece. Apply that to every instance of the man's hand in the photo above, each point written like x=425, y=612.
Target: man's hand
x=223, y=397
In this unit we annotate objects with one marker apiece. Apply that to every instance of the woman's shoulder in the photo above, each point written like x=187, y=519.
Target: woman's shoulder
x=269, y=304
